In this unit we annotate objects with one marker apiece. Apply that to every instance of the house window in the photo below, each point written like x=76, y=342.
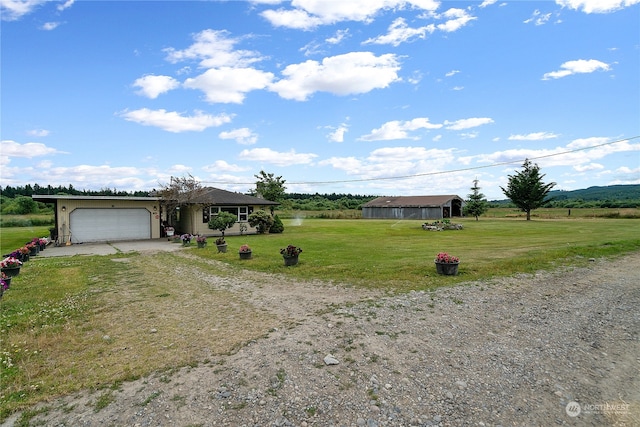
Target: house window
x=241, y=212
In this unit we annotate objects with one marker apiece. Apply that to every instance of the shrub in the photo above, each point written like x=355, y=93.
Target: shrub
x=261, y=220
x=277, y=227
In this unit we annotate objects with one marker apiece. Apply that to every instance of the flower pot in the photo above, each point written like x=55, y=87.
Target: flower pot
x=7, y=281
x=11, y=271
x=202, y=245
x=222, y=248
x=447, y=268
x=34, y=251
x=290, y=260
x=245, y=255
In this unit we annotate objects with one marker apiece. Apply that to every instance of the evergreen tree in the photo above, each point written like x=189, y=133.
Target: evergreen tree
x=278, y=226
x=270, y=187
x=476, y=205
x=526, y=189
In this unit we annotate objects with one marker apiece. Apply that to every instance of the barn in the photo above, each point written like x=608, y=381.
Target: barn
x=413, y=207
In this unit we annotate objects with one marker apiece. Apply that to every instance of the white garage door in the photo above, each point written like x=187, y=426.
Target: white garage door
x=98, y=225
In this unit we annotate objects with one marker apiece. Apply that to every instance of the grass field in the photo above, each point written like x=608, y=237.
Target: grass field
x=59, y=320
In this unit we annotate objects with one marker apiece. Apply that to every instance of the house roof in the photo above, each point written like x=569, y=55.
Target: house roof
x=47, y=198
x=410, y=201
x=216, y=196
x=210, y=195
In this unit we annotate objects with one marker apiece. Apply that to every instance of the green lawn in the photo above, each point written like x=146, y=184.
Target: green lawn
x=399, y=254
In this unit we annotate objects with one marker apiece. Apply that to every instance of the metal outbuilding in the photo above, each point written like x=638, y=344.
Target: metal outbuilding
x=413, y=207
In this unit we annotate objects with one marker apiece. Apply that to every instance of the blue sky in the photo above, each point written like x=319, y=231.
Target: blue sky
x=375, y=97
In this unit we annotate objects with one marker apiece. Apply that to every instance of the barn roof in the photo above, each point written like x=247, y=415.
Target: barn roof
x=410, y=201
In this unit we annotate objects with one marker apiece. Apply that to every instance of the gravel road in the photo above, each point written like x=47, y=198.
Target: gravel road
x=554, y=348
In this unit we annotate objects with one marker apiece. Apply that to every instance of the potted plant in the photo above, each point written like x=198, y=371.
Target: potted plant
x=7, y=280
x=447, y=264
x=186, y=239
x=11, y=266
x=221, y=244
x=245, y=252
x=202, y=241
x=4, y=285
x=290, y=254
x=222, y=221
x=33, y=248
x=24, y=253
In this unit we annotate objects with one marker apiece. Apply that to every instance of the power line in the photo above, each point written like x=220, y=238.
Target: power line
x=390, y=178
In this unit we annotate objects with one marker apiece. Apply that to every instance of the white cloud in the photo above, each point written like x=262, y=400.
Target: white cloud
x=338, y=37
x=214, y=49
x=29, y=150
x=152, y=86
x=559, y=156
x=49, y=26
x=38, y=132
x=338, y=134
x=308, y=14
x=66, y=5
x=296, y=19
x=536, y=136
x=597, y=6
x=396, y=129
x=268, y=155
x=538, y=18
x=452, y=73
x=89, y=176
x=486, y=3
x=395, y=162
x=626, y=175
x=467, y=123
x=172, y=121
x=456, y=19
x=579, y=66
x=399, y=32
x=12, y=10
x=587, y=142
x=223, y=166
x=588, y=167
x=351, y=73
x=242, y=136
x=229, y=85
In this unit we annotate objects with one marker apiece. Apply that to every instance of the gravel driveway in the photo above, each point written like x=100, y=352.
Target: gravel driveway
x=555, y=348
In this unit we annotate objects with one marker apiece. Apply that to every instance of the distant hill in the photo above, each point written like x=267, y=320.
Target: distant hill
x=606, y=193
x=611, y=192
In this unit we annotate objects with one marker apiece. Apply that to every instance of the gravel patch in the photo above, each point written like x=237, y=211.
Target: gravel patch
x=554, y=348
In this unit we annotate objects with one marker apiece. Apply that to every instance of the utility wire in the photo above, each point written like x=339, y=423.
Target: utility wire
x=389, y=178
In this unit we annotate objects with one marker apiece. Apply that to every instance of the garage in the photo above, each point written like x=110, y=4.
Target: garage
x=98, y=225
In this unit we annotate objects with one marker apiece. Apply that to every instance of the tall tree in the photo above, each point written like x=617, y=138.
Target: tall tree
x=526, y=189
x=476, y=205
x=270, y=187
